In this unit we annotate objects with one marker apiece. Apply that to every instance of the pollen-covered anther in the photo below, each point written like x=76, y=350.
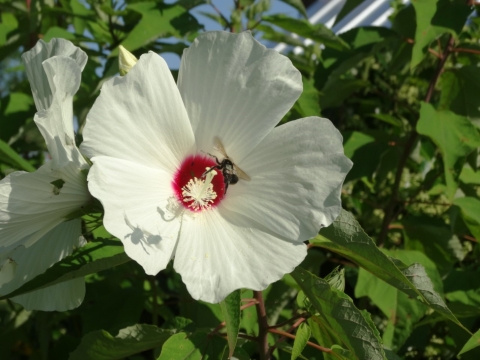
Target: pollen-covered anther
x=200, y=192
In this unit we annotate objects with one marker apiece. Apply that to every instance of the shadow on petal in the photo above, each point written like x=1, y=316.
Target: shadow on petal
x=142, y=237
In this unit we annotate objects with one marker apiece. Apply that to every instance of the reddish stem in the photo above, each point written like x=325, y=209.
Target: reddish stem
x=309, y=343
x=283, y=338
x=262, y=325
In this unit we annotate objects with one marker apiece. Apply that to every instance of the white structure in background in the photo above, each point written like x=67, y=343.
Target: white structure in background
x=369, y=12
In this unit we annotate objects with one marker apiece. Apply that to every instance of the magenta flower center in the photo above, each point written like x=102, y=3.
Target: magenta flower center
x=197, y=188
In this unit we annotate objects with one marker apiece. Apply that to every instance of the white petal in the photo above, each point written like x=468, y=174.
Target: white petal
x=36, y=259
x=30, y=206
x=221, y=251
x=135, y=198
x=235, y=88
x=8, y=266
x=140, y=117
x=65, y=296
x=33, y=60
x=56, y=123
x=296, y=178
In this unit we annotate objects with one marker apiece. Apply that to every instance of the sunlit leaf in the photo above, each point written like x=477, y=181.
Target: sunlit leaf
x=198, y=345
x=158, y=20
x=340, y=321
x=8, y=23
x=58, y=32
x=10, y=157
x=472, y=343
x=231, y=313
x=455, y=136
x=434, y=18
x=301, y=338
x=470, y=210
x=347, y=238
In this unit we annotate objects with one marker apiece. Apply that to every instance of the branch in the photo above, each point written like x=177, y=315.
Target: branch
x=283, y=323
x=262, y=325
x=470, y=238
x=472, y=51
x=411, y=141
x=309, y=343
x=283, y=338
x=431, y=51
x=217, y=10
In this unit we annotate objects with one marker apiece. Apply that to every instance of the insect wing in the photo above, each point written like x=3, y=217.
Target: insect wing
x=217, y=145
x=240, y=173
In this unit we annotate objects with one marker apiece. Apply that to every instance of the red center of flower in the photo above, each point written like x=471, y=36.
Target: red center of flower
x=194, y=191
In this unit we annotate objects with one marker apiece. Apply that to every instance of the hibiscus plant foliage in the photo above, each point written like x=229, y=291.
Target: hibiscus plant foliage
x=319, y=200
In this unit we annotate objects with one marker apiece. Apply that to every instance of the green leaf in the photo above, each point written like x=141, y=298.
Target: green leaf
x=190, y=4
x=8, y=23
x=472, y=343
x=297, y=4
x=462, y=290
x=343, y=353
x=58, y=32
x=470, y=210
x=362, y=43
x=15, y=110
x=405, y=22
x=469, y=176
x=340, y=321
x=157, y=21
x=308, y=104
x=288, y=349
x=101, y=345
x=389, y=119
x=346, y=9
x=455, y=136
x=435, y=239
x=459, y=88
x=434, y=18
x=81, y=13
x=365, y=150
x=231, y=313
x=302, y=336
x=317, y=32
x=346, y=237
x=401, y=310
x=91, y=258
x=336, y=91
x=10, y=157
x=198, y=345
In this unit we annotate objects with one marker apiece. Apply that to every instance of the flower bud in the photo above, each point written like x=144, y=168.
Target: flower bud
x=126, y=60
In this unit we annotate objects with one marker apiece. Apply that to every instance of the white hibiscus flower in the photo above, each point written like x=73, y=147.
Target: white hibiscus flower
x=34, y=207
x=150, y=142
